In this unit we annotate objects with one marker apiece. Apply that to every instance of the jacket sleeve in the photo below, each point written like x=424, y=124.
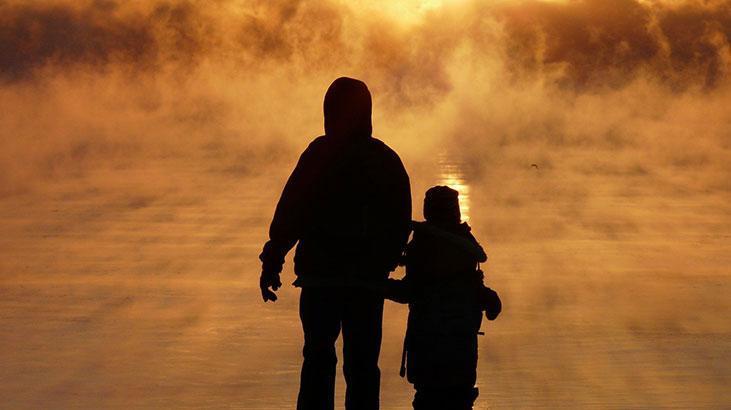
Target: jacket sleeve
x=285, y=230
x=399, y=227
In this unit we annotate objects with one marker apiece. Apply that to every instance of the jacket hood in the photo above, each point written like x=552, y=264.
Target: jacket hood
x=347, y=109
x=441, y=206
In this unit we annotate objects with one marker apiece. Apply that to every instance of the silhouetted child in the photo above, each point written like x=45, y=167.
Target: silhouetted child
x=444, y=288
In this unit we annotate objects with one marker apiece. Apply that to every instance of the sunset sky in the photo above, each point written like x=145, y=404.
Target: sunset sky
x=144, y=143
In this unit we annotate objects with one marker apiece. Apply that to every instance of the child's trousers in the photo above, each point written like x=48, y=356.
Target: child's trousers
x=453, y=397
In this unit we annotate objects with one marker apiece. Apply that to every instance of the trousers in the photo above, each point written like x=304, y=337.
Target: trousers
x=325, y=312
x=439, y=398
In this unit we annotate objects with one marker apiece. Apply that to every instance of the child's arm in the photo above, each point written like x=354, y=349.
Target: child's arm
x=397, y=290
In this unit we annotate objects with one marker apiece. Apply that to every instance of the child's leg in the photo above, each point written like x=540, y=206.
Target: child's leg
x=452, y=397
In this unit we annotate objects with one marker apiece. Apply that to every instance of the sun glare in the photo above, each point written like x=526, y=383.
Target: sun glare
x=452, y=175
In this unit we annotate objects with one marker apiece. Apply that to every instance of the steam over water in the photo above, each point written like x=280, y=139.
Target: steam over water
x=122, y=297
x=143, y=147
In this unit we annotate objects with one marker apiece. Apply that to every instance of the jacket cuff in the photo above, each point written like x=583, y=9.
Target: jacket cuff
x=272, y=258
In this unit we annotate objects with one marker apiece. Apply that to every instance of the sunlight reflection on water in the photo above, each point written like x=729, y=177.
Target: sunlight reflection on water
x=451, y=174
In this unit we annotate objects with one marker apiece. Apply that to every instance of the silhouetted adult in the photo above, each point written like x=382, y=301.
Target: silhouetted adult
x=348, y=206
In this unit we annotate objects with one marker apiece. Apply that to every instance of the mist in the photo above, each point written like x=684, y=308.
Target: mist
x=144, y=145
x=88, y=80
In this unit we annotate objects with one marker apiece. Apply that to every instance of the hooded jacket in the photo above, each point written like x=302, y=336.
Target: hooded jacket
x=347, y=204
x=442, y=286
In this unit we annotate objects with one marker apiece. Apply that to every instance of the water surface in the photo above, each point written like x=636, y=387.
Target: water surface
x=124, y=294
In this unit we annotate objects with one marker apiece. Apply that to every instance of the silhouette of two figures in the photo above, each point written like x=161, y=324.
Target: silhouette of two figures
x=347, y=207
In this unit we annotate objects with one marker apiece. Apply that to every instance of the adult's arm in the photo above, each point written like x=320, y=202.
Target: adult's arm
x=286, y=226
x=398, y=191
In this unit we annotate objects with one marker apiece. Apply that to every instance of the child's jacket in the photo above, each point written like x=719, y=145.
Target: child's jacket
x=442, y=286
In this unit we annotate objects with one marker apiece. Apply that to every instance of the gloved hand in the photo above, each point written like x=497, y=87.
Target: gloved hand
x=267, y=280
x=490, y=303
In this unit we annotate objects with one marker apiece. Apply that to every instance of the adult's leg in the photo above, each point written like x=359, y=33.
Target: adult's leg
x=320, y=310
x=362, y=328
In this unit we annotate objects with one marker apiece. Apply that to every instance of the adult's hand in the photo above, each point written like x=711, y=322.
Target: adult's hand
x=491, y=303
x=266, y=281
